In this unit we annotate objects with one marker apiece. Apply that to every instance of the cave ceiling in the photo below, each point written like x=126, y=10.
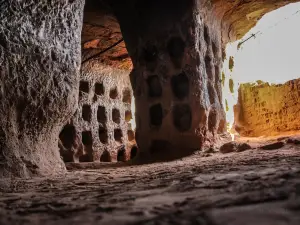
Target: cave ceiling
x=101, y=28
x=100, y=31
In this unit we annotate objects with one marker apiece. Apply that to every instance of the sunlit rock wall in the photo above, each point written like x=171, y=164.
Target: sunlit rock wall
x=267, y=109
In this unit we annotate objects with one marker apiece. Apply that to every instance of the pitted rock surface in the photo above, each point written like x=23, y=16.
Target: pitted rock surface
x=234, y=147
x=275, y=145
x=102, y=124
x=251, y=187
x=267, y=109
x=39, y=74
x=176, y=75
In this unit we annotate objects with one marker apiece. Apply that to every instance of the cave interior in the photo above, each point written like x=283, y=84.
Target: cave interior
x=112, y=112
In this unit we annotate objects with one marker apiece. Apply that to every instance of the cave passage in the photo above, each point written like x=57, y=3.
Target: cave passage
x=114, y=112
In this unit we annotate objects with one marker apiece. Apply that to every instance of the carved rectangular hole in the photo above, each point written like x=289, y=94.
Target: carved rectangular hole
x=87, y=141
x=121, y=156
x=128, y=116
x=127, y=96
x=105, y=157
x=103, y=136
x=84, y=86
x=154, y=87
x=118, y=135
x=116, y=117
x=99, y=89
x=101, y=114
x=68, y=135
x=133, y=152
x=86, y=113
x=156, y=115
x=113, y=93
x=87, y=138
x=130, y=135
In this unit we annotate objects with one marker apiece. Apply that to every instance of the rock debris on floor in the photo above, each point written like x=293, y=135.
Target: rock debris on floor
x=250, y=187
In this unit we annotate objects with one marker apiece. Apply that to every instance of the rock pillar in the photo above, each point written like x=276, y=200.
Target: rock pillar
x=176, y=52
x=39, y=77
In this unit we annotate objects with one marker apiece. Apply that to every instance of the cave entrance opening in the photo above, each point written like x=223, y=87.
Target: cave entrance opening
x=260, y=77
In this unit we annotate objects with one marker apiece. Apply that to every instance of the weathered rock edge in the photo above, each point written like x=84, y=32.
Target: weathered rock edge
x=40, y=58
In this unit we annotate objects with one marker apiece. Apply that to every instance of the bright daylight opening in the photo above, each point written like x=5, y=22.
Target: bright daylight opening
x=132, y=121
x=267, y=53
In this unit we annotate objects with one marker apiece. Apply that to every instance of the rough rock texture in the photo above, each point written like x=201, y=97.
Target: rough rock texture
x=234, y=147
x=176, y=52
x=251, y=187
x=101, y=27
x=176, y=75
x=39, y=70
x=102, y=122
x=239, y=16
x=295, y=141
x=265, y=109
x=275, y=145
x=100, y=31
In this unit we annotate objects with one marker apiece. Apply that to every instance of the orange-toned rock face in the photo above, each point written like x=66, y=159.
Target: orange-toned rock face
x=101, y=27
x=100, y=32
x=176, y=47
x=239, y=16
x=265, y=110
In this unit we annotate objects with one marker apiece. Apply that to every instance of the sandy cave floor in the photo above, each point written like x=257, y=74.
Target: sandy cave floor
x=252, y=187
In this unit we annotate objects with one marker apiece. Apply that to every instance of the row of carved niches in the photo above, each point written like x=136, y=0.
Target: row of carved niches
x=103, y=129
x=75, y=144
x=121, y=155
x=99, y=90
x=86, y=114
x=182, y=116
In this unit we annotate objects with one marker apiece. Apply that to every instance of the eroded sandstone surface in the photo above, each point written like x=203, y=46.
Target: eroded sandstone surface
x=100, y=31
x=101, y=26
x=176, y=75
x=39, y=76
x=176, y=51
x=251, y=187
x=268, y=109
x=101, y=128
x=239, y=16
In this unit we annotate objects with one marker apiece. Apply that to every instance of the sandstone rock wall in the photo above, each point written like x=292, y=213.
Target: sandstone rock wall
x=175, y=47
x=39, y=74
x=177, y=60
x=100, y=31
x=265, y=110
x=101, y=128
x=239, y=16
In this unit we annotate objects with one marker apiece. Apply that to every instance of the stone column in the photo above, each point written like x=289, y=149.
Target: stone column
x=40, y=58
x=176, y=52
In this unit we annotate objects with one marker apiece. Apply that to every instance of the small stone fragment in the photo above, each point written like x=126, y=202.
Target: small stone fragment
x=273, y=146
x=243, y=147
x=228, y=147
x=234, y=147
x=294, y=141
x=206, y=155
x=282, y=139
x=210, y=150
